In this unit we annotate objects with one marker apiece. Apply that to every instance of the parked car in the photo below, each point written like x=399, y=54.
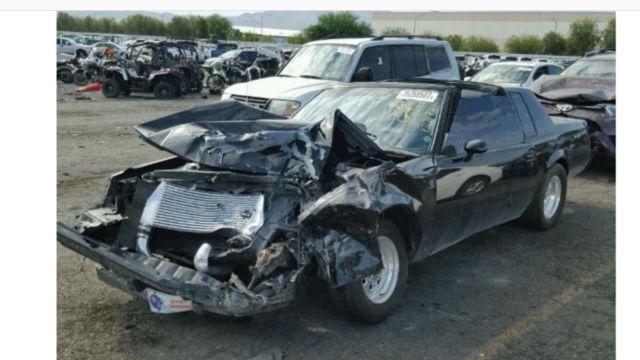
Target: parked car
x=68, y=46
x=514, y=73
x=585, y=90
x=319, y=64
x=365, y=179
x=222, y=48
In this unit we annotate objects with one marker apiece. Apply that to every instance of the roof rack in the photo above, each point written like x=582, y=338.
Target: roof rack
x=466, y=85
x=599, y=51
x=381, y=37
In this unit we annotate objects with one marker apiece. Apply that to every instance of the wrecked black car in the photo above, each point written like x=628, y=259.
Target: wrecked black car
x=585, y=90
x=363, y=180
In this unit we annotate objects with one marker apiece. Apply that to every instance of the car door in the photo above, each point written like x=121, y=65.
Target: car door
x=476, y=191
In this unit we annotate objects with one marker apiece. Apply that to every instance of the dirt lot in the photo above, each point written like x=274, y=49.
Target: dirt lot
x=506, y=293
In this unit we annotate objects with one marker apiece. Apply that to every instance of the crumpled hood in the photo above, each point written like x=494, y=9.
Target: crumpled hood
x=279, y=87
x=575, y=89
x=233, y=136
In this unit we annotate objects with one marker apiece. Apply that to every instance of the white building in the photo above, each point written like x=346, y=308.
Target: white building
x=498, y=26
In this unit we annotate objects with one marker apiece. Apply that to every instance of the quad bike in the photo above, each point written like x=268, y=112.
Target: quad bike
x=65, y=68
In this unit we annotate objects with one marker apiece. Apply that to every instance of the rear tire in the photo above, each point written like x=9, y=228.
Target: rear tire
x=111, y=88
x=81, y=77
x=164, y=90
x=215, y=82
x=373, y=298
x=544, y=211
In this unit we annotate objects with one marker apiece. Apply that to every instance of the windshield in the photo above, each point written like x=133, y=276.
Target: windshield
x=592, y=68
x=503, y=74
x=396, y=119
x=323, y=61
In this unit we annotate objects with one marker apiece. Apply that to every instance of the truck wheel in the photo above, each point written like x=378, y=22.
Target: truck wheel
x=545, y=209
x=164, y=90
x=111, y=88
x=373, y=298
x=215, y=82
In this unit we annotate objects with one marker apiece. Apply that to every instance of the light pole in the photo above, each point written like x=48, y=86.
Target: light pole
x=261, y=27
x=415, y=20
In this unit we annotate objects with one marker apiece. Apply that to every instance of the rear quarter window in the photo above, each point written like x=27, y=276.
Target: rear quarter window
x=526, y=120
x=438, y=58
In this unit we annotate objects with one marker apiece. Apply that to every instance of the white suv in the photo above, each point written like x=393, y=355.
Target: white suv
x=319, y=64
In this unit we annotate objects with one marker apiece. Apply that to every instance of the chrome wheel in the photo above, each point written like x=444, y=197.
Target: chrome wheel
x=379, y=287
x=552, y=196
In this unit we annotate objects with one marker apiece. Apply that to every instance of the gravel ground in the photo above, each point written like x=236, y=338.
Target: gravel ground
x=506, y=293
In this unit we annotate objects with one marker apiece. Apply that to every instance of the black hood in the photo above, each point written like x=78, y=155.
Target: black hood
x=233, y=136
x=574, y=89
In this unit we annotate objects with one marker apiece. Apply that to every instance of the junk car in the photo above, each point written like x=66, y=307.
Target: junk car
x=363, y=180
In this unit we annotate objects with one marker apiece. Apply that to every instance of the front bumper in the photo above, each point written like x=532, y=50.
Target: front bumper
x=134, y=273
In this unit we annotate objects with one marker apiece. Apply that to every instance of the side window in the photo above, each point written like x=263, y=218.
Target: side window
x=542, y=70
x=378, y=59
x=438, y=58
x=523, y=113
x=554, y=70
x=404, y=61
x=482, y=116
x=58, y=41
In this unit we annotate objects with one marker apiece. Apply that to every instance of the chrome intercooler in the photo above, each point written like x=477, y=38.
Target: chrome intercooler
x=181, y=209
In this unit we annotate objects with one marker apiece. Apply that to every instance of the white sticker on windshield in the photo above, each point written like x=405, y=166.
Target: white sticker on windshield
x=346, y=50
x=418, y=95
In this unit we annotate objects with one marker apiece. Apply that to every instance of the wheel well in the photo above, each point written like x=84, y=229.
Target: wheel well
x=408, y=224
x=564, y=164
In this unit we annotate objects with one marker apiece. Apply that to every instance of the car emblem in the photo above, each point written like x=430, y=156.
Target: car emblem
x=564, y=107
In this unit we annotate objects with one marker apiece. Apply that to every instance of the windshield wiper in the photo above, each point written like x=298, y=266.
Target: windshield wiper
x=310, y=77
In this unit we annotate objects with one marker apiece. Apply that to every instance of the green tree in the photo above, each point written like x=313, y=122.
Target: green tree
x=609, y=35
x=389, y=31
x=479, y=44
x=456, y=41
x=337, y=24
x=181, y=27
x=219, y=27
x=583, y=36
x=526, y=44
x=553, y=44
x=142, y=25
x=66, y=22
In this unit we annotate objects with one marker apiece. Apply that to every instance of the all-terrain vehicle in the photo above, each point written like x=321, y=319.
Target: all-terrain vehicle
x=160, y=67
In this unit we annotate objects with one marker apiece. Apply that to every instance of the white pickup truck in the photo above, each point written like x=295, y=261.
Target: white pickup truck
x=319, y=64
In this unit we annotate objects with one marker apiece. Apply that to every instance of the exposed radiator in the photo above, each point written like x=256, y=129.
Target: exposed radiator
x=177, y=208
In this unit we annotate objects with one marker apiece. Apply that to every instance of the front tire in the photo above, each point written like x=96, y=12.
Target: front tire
x=373, y=298
x=544, y=211
x=215, y=82
x=65, y=75
x=111, y=88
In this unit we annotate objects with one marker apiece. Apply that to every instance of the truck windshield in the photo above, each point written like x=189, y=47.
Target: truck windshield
x=321, y=61
x=396, y=119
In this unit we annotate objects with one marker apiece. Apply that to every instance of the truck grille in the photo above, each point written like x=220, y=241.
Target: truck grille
x=251, y=100
x=195, y=211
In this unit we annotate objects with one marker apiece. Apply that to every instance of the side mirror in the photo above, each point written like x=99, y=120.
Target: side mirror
x=363, y=74
x=467, y=78
x=475, y=146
